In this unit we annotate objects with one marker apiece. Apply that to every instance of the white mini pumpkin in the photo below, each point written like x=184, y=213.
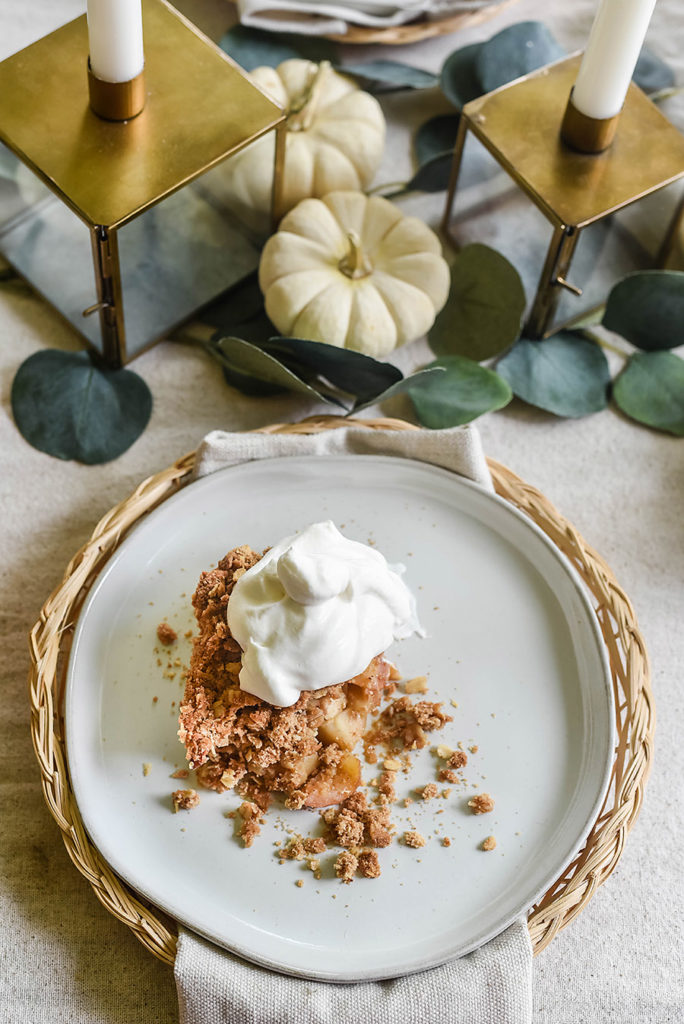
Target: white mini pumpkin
x=335, y=139
x=353, y=271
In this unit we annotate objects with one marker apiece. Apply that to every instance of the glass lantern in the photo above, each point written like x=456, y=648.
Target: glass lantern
x=120, y=225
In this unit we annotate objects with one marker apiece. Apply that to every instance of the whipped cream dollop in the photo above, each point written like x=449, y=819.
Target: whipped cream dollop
x=314, y=611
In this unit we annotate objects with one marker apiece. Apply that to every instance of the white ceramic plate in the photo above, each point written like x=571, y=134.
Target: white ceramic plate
x=512, y=639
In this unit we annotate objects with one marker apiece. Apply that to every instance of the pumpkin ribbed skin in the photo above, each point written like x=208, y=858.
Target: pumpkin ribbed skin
x=353, y=271
x=335, y=141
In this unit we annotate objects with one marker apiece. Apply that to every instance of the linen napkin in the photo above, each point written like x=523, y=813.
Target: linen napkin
x=492, y=984
x=318, y=17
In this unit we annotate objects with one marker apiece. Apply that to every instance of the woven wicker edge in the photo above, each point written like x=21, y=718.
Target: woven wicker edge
x=50, y=642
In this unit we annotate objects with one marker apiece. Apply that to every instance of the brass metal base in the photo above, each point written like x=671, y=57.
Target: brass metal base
x=118, y=251
x=587, y=134
x=116, y=101
x=520, y=126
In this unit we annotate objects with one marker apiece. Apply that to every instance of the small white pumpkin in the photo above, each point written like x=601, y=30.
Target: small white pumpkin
x=353, y=271
x=335, y=139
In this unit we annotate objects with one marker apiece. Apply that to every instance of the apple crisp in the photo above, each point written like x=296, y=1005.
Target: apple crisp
x=237, y=740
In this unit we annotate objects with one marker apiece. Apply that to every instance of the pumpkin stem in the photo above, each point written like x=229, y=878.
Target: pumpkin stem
x=355, y=264
x=302, y=109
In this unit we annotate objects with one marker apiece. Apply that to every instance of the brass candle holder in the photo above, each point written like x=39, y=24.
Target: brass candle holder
x=116, y=222
x=520, y=126
x=116, y=101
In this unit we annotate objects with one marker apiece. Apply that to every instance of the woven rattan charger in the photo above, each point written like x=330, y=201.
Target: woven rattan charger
x=51, y=640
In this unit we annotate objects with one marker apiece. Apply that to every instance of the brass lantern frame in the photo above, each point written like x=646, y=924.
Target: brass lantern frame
x=519, y=124
x=200, y=109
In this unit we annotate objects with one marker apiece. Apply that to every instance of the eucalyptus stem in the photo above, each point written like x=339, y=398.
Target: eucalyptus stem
x=592, y=336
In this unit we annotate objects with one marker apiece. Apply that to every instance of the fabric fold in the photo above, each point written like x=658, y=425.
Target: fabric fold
x=317, y=17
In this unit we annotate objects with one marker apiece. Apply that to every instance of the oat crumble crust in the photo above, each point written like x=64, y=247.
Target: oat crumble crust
x=166, y=634
x=236, y=740
x=355, y=823
x=184, y=799
x=345, y=866
x=403, y=726
x=369, y=865
x=481, y=803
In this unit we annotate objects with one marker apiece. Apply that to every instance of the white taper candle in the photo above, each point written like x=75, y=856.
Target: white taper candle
x=614, y=43
x=115, y=39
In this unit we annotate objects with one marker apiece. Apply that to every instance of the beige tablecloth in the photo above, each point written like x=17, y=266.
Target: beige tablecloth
x=63, y=957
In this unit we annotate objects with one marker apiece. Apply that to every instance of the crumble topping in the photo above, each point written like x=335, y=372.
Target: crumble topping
x=184, y=799
x=251, y=822
x=369, y=865
x=355, y=823
x=459, y=759
x=403, y=725
x=166, y=634
x=481, y=803
x=386, y=786
x=235, y=739
x=345, y=866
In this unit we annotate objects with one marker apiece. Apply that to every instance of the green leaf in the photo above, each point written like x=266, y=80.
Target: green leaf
x=67, y=405
x=652, y=74
x=647, y=308
x=250, y=48
x=358, y=374
x=436, y=137
x=567, y=374
x=463, y=392
x=485, y=306
x=246, y=362
x=459, y=79
x=650, y=390
x=433, y=176
x=401, y=387
x=515, y=51
x=389, y=74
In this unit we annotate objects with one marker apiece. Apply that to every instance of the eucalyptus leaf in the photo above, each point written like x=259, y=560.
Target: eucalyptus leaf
x=486, y=302
x=566, y=374
x=244, y=360
x=390, y=74
x=250, y=48
x=358, y=374
x=647, y=308
x=436, y=137
x=650, y=390
x=652, y=74
x=464, y=391
x=401, y=387
x=459, y=79
x=433, y=176
x=515, y=51
x=66, y=404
